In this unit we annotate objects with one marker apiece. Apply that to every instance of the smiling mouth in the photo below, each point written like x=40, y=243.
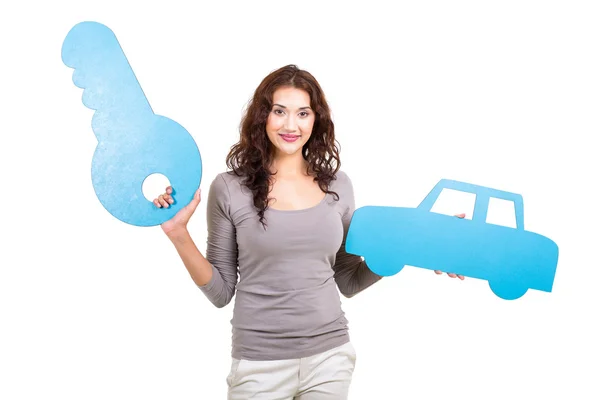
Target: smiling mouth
x=288, y=137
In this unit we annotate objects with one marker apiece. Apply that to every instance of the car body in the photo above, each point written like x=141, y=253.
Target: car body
x=512, y=260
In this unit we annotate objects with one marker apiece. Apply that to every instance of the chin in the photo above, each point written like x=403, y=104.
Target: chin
x=290, y=148
x=290, y=152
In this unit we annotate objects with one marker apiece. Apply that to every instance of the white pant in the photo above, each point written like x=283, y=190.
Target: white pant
x=325, y=376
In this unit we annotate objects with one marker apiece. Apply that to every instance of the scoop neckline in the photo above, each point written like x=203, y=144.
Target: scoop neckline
x=301, y=210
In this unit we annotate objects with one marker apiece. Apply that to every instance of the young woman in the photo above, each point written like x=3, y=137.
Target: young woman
x=279, y=218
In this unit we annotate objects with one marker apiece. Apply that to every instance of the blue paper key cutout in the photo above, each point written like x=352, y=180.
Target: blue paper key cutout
x=512, y=260
x=133, y=142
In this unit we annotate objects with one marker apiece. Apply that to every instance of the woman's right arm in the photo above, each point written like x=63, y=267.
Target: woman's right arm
x=198, y=267
x=216, y=275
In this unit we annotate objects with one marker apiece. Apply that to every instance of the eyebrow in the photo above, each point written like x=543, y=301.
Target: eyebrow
x=301, y=108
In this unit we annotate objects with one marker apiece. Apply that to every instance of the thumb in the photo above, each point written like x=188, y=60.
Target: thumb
x=189, y=209
x=195, y=201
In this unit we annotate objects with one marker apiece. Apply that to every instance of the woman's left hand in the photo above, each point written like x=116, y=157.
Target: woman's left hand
x=452, y=275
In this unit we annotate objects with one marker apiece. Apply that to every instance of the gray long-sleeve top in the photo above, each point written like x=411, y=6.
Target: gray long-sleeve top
x=287, y=303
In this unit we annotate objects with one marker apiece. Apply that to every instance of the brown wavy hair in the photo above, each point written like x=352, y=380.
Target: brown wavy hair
x=251, y=157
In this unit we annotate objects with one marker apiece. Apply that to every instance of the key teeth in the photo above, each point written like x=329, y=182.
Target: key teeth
x=93, y=51
x=79, y=51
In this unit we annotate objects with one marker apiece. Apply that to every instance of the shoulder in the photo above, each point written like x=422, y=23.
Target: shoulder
x=342, y=182
x=219, y=185
x=226, y=186
x=342, y=186
x=223, y=180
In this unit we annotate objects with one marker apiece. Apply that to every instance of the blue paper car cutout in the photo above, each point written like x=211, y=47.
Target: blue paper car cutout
x=512, y=260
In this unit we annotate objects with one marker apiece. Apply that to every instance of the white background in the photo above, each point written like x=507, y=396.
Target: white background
x=501, y=94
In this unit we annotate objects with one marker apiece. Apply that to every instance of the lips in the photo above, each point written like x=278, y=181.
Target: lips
x=289, y=138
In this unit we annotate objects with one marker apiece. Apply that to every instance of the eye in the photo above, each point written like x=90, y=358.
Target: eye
x=304, y=114
x=278, y=111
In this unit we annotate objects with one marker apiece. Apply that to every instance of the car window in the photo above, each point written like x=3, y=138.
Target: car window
x=452, y=202
x=501, y=212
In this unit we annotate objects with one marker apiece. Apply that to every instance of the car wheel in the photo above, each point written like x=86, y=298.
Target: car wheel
x=382, y=266
x=507, y=291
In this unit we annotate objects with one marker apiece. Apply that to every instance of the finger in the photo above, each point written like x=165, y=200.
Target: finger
x=156, y=203
x=162, y=201
x=168, y=199
x=462, y=215
x=452, y=275
x=461, y=277
x=438, y=272
x=195, y=201
x=169, y=189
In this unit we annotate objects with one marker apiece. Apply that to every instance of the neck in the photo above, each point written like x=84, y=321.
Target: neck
x=285, y=165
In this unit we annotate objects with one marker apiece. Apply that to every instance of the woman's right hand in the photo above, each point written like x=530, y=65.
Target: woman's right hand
x=180, y=220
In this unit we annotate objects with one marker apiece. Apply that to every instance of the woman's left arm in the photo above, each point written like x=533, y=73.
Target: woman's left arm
x=351, y=273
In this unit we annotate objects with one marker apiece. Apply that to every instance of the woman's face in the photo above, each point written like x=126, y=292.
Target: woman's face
x=290, y=121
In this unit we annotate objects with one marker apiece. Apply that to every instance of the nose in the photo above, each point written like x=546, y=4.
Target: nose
x=290, y=124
